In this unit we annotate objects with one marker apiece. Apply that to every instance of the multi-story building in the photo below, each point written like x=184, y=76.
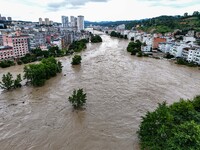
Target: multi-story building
x=3, y=18
x=46, y=20
x=66, y=39
x=80, y=23
x=197, y=56
x=20, y=44
x=40, y=21
x=6, y=52
x=72, y=20
x=9, y=18
x=65, y=21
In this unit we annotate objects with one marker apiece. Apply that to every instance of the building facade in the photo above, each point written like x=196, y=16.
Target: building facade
x=19, y=43
x=6, y=52
x=80, y=23
x=65, y=21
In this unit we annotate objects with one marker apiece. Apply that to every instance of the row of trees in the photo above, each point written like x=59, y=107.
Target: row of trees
x=38, y=54
x=78, y=46
x=118, y=35
x=37, y=74
x=6, y=63
x=173, y=127
x=134, y=47
x=35, y=55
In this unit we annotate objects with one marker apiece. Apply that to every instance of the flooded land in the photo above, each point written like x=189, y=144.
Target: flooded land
x=120, y=89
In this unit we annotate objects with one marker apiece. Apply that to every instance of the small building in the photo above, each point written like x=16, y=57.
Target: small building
x=156, y=41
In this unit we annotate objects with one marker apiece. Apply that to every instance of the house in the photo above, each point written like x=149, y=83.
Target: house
x=156, y=41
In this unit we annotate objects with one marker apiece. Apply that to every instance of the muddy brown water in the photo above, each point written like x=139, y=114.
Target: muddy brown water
x=120, y=89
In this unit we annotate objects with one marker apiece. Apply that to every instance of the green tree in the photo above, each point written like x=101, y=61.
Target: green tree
x=7, y=81
x=17, y=81
x=78, y=98
x=174, y=127
x=76, y=60
x=37, y=74
x=96, y=39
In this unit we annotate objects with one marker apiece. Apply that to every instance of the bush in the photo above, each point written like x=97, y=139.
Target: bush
x=78, y=99
x=174, y=127
x=6, y=63
x=139, y=54
x=96, y=39
x=76, y=60
x=168, y=55
x=182, y=61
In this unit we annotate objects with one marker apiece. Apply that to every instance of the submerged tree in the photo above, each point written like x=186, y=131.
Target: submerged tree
x=76, y=60
x=8, y=82
x=37, y=74
x=78, y=99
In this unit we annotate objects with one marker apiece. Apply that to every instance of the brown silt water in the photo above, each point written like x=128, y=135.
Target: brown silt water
x=120, y=89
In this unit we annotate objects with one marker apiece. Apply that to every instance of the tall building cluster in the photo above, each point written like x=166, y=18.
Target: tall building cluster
x=46, y=21
x=74, y=23
x=5, y=19
x=18, y=38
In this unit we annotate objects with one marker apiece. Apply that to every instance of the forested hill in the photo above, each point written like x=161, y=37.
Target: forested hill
x=161, y=24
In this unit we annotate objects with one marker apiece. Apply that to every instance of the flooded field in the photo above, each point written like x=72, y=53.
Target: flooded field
x=120, y=89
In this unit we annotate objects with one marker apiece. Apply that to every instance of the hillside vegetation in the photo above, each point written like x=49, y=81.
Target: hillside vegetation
x=164, y=24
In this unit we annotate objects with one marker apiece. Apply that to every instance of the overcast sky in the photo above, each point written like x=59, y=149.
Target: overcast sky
x=95, y=10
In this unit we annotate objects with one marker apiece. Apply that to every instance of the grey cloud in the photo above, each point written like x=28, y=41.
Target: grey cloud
x=70, y=4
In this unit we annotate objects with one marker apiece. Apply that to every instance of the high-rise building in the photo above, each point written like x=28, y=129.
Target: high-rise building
x=40, y=21
x=9, y=18
x=65, y=21
x=80, y=23
x=47, y=21
x=3, y=18
x=0, y=16
x=72, y=20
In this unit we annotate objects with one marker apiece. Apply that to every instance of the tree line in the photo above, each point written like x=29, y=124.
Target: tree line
x=35, y=74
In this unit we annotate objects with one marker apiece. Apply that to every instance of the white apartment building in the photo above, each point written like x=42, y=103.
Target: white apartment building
x=165, y=46
x=80, y=23
x=176, y=50
x=197, y=56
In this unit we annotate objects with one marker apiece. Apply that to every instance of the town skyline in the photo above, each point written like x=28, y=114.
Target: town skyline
x=92, y=9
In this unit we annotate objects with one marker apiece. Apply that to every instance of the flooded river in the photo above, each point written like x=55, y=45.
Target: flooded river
x=120, y=89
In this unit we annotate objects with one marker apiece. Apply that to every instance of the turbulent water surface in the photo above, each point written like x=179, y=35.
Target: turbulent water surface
x=120, y=89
